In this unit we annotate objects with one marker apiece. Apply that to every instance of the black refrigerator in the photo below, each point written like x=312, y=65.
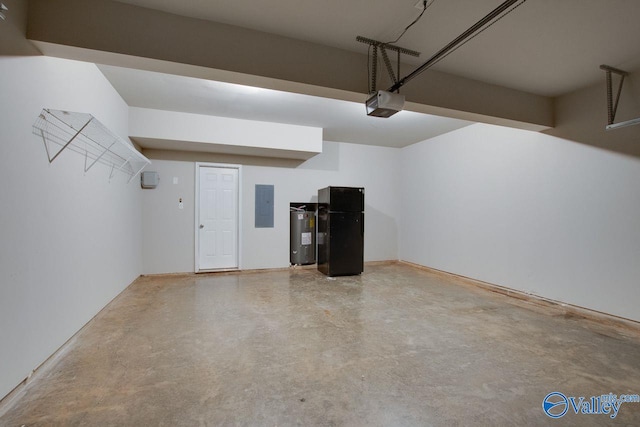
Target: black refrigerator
x=340, y=231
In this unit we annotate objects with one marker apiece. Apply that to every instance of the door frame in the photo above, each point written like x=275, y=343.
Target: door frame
x=196, y=227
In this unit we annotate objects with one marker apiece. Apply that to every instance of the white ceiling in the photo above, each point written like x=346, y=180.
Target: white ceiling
x=546, y=47
x=342, y=121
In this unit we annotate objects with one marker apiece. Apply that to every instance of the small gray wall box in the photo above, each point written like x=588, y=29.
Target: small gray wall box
x=149, y=179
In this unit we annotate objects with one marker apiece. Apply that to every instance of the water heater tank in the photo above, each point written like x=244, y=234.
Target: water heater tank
x=303, y=238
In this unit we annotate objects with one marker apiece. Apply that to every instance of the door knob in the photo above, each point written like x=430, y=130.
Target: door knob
x=201, y=226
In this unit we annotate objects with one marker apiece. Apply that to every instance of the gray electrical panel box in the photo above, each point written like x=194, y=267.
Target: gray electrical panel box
x=264, y=206
x=149, y=179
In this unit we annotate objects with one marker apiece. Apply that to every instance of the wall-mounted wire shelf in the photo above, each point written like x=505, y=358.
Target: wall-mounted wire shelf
x=84, y=134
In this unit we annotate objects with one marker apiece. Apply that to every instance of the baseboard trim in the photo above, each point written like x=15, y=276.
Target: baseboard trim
x=258, y=270
x=570, y=309
x=5, y=401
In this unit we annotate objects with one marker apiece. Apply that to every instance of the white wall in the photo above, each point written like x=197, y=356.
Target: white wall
x=169, y=232
x=198, y=132
x=70, y=241
x=527, y=211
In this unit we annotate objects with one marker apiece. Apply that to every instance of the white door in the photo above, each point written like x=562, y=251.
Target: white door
x=217, y=228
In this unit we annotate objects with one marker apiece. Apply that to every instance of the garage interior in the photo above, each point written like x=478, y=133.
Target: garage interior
x=502, y=233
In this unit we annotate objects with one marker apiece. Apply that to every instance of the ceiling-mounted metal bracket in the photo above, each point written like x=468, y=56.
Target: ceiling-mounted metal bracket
x=384, y=47
x=388, y=46
x=387, y=63
x=612, y=106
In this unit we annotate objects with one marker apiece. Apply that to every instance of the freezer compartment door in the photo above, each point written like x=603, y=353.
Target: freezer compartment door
x=342, y=199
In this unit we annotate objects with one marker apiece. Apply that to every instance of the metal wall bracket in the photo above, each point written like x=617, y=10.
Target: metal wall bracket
x=612, y=106
x=84, y=134
x=383, y=48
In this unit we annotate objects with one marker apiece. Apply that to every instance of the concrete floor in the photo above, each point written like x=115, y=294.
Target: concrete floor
x=396, y=346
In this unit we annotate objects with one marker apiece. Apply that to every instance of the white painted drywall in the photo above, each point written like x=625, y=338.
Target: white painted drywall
x=184, y=131
x=527, y=211
x=70, y=241
x=168, y=240
x=168, y=232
